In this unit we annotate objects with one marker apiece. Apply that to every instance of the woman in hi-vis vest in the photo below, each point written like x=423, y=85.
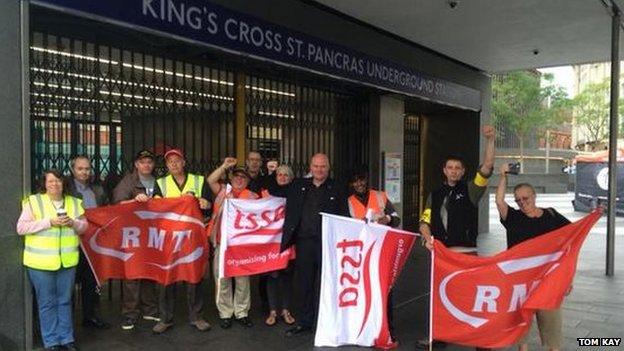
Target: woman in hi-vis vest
x=50, y=223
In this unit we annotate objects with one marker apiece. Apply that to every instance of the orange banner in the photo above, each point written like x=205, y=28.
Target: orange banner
x=161, y=240
x=490, y=301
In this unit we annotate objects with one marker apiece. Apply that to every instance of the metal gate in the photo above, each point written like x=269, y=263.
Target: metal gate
x=411, y=173
x=291, y=122
x=108, y=103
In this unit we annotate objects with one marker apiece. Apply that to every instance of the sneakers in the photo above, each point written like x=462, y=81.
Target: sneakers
x=96, y=323
x=245, y=322
x=128, y=324
x=201, y=325
x=151, y=318
x=161, y=327
x=225, y=323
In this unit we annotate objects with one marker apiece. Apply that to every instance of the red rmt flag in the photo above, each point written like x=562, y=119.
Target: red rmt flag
x=162, y=240
x=490, y=301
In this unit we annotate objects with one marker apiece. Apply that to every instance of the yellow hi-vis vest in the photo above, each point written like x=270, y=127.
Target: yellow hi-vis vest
x=169, y=188
x=55, y=247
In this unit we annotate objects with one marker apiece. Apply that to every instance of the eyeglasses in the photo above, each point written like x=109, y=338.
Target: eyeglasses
x=522, y=199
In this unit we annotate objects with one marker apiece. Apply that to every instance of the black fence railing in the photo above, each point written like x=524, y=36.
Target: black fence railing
x=108, y=103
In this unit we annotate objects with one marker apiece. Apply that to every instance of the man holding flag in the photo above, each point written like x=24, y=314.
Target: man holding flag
x=365, y=201
x=450, y=213
x=175, y=184
x=306, y=198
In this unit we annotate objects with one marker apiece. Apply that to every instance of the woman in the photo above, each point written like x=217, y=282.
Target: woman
x=50, y=224
x=283, y=175
x=523, y=224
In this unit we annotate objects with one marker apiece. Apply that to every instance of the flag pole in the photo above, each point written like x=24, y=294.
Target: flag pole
x=431, y=297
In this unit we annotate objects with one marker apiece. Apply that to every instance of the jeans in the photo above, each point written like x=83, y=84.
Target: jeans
x=53, y=290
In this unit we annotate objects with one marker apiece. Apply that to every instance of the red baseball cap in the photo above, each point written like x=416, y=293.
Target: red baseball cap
x=174, y=152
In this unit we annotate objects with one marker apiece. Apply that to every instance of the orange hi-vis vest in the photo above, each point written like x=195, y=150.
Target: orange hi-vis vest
x=376, y=202
x=214, y=225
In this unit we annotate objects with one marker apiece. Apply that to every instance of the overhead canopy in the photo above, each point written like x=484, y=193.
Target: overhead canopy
x=495, y=35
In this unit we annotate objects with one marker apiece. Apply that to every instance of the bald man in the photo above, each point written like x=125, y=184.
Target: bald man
x=305, y=199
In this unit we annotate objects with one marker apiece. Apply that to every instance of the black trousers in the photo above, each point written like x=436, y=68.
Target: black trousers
x=308, y=270
x=90, y=298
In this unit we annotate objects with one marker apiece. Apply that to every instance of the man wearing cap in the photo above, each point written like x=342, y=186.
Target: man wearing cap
x=373, y=205
x=231, y=304
x=178, y=183
x=139, y=296
x=92, y=194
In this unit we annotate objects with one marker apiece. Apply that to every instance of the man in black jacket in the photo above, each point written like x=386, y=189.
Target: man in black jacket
x=305, y=199
x=81, y=185
x=451, y=211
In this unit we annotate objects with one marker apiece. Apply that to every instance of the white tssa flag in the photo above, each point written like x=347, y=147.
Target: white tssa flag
x=360, y=263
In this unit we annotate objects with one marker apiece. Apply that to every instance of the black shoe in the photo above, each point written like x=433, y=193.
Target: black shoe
x=298, y=330
x=96, y=323
x=424, y=344
x=70, y=347
x=245, y=322
x=225, y=323
x=128, y=324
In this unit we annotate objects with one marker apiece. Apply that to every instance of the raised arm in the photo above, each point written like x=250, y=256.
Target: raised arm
x=488, y=157
x=500, y=192
x=215, y=176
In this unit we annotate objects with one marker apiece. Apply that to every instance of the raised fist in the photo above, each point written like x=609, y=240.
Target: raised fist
x=489, y=132
x=229, y=162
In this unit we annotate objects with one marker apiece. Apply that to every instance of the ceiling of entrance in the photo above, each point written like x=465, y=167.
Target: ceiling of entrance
x=494, y=35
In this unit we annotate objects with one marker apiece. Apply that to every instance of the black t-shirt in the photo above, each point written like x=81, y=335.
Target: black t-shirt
x=520, y=227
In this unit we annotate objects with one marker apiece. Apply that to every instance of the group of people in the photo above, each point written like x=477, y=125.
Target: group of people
x=51, y=221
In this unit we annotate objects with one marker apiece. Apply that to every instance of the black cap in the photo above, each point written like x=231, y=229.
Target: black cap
x=143, y=154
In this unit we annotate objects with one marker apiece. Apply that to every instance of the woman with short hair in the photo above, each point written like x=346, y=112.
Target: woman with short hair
x=523, y=224
x=279, y=283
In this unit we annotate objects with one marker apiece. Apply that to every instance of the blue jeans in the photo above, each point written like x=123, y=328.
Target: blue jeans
x=53, y=290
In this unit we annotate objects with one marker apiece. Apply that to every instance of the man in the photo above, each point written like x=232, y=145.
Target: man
x=365, y=199
x=370, y=204
x=178, y=183
x=305, y=199
x=230, y=302
x=451, y=211
x=253, y=164
x=139, y=295
x=93, y=195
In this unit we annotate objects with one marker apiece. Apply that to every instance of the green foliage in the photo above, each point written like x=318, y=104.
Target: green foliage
x=524, y=105
x=592, y=110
